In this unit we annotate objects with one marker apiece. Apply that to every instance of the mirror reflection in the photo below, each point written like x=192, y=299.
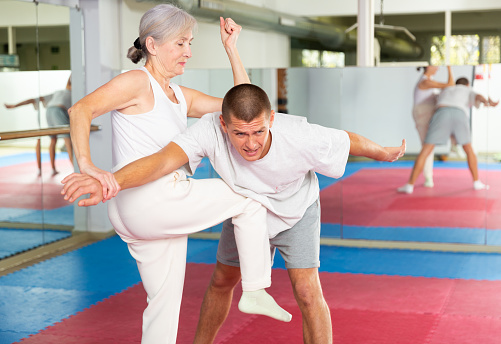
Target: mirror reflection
x=377, y=103
x=35, y=64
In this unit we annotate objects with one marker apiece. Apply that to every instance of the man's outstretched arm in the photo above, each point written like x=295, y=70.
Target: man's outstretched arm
x=135, y=174
x=361, y=146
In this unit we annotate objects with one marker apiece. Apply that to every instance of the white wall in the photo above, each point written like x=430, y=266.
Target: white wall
x=27, y=85
x=486, y=121
x=258, y=49
x=19, y=13
x=377, y=102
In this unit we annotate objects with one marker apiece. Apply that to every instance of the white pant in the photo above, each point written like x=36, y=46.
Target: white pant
x=422, y=114
x=155, y=219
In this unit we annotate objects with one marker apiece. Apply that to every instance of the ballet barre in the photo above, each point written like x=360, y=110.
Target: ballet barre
x=22, y=134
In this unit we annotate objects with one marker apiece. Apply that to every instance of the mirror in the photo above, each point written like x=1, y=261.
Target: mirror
x=377, y=103
x=34, y=63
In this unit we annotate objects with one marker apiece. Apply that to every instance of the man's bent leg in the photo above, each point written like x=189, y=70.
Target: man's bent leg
x=317, y=325
x=217, y=302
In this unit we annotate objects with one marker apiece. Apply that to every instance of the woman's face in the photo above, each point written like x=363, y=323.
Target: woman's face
x=174, y=53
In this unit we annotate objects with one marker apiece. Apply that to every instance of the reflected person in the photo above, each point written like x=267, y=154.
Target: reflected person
x=57, y=105
x=451, y=118
x=425, y=101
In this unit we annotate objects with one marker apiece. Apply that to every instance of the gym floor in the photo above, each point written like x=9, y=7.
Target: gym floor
x=376, y=295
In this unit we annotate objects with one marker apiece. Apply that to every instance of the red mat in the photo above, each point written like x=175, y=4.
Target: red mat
x=369, y=198
x=364, y=309
x=22, y=180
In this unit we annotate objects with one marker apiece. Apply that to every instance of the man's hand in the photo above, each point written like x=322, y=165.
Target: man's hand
x=395, y=153
x=492, y=102
x=76, y=185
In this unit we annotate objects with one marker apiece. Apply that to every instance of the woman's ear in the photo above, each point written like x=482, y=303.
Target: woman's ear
x=150, y=45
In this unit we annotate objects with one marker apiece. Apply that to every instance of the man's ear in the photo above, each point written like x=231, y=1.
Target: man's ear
x=272, y=117
x=223, y=124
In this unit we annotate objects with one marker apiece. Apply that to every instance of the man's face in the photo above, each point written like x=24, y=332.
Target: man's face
x=252, y=140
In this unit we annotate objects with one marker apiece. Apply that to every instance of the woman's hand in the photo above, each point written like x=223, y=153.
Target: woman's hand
x=107, y=180
x=229, y=32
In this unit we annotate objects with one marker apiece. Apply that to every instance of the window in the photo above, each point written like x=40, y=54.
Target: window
x=317, y=58
x=466, y=50
x=490, y=49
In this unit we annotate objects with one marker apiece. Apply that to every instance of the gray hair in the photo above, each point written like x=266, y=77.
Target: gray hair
x=161, y=22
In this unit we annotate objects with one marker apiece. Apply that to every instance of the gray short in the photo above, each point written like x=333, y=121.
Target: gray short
x=448, y=121
x=299, y=245
x=57, y=116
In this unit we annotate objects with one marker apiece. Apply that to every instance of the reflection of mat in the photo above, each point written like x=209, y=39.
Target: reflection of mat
x=21, y=187
x=369, y=198
x=19, y=240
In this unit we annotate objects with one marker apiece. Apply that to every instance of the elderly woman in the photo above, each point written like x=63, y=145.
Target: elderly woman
x=147, y=112
x=425, y=101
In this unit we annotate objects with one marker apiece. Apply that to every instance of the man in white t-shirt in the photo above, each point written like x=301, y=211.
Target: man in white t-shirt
x=451, y=118
x=271, y=158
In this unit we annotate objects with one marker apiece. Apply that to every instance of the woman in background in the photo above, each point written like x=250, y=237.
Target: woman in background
x=425, y=101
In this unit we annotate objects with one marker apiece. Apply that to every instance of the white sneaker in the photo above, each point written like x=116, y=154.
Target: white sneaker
x=407, y=188
x=478, y=185
x=428, y=183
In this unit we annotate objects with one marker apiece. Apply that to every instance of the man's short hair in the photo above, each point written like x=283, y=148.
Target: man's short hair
x=462, y=81
x=245, y=102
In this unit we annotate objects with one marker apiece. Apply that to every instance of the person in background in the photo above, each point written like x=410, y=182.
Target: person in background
x=425, y=101
x=57, y=105
x=451, y=118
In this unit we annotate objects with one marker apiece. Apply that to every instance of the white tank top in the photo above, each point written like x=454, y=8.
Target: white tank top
x=137, y=136
x=424, y=96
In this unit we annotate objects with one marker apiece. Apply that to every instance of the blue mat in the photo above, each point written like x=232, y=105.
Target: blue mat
x=20, y=240
x=7, y=160
x=67, y=284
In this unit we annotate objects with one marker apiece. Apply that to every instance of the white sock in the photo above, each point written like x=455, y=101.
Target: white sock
x=478, y=185
x=260, y=302
x=428, y=182
x=407, y=188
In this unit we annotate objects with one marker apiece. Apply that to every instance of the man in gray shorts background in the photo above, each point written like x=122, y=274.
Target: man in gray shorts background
x=451, y=118
x=271, y=158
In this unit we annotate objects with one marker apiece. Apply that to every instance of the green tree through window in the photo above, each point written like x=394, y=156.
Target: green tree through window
x=465, y=50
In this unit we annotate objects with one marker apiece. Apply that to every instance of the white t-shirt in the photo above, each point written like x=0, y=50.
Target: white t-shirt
x=59, y=98
x=459, y=96
x=284, y=180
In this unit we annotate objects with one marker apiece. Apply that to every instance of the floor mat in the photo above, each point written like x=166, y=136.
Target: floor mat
x=364, y=309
